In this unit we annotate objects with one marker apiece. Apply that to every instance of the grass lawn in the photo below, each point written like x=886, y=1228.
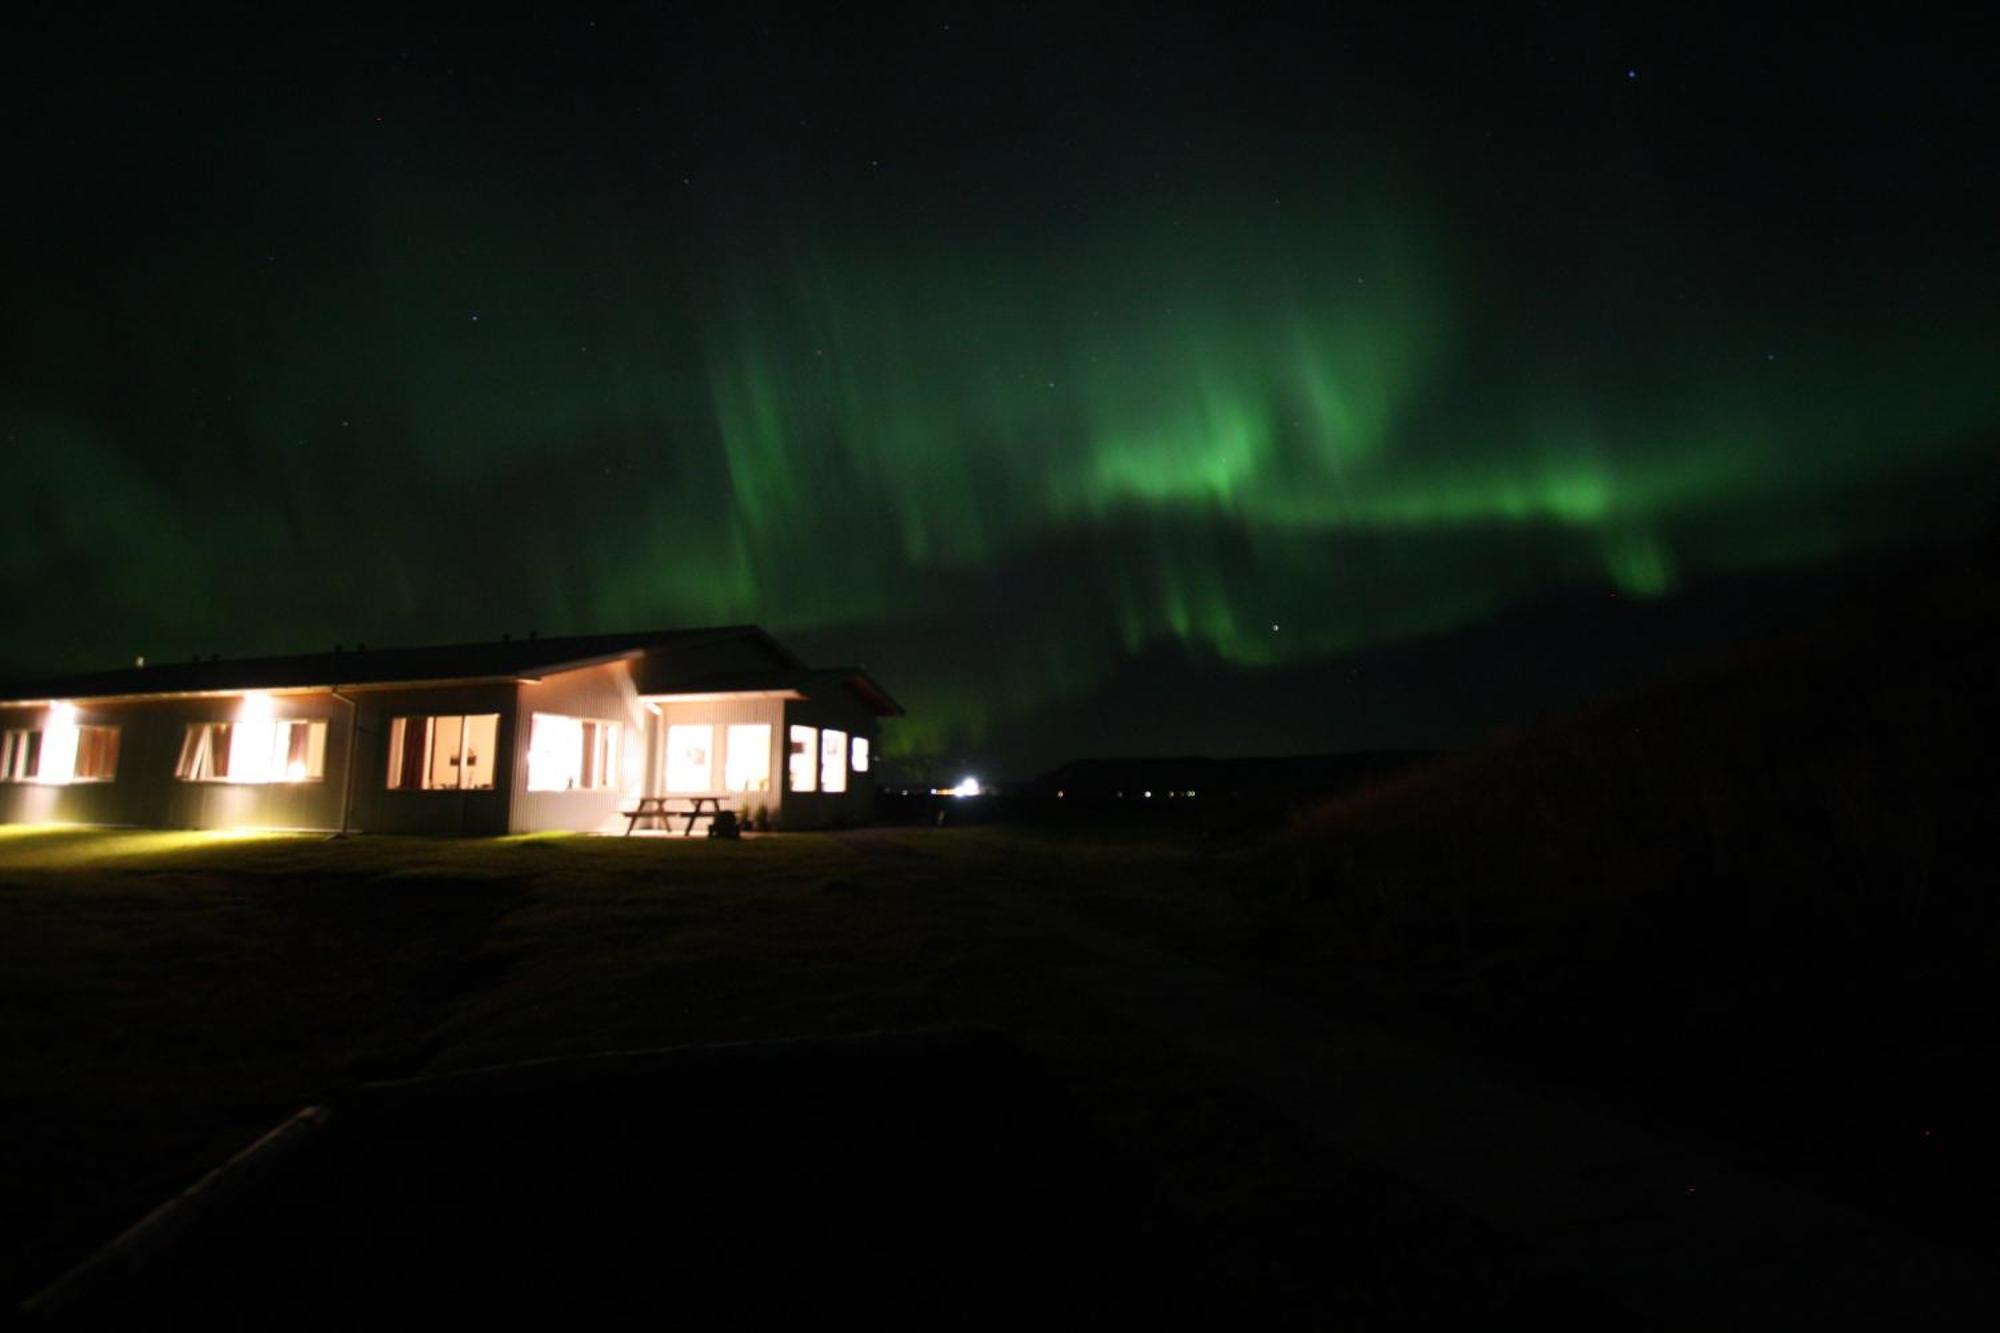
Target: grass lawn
x=164, y=997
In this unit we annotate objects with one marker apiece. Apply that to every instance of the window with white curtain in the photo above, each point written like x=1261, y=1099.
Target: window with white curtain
x=691, y=756
x=832, y=760
x=572, y=753
x=747, y=762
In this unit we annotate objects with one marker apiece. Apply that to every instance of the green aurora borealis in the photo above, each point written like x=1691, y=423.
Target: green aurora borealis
x=997, y=419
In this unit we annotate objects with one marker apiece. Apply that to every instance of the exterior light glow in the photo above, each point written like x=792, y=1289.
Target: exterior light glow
x=251, y=740
x=59, y=744
x=967, y=786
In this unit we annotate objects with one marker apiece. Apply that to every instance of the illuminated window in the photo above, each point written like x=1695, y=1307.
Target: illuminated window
x=96, y=754
x=20, y=755
x=600, y=755
x=691, y=756
x=257, y=750
x=747, y=764
x=572, y=754
x=860, y=754
x=298, y=751
x=204, y=752
x=803, y=759
x=832, y=760
x=443, y=753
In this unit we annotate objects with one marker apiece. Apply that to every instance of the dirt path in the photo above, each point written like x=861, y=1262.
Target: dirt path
x=1663, y=1230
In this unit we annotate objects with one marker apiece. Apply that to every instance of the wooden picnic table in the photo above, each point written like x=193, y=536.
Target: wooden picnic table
x=660, y=810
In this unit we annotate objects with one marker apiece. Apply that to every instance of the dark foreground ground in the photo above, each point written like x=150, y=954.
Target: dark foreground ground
x=171, y=997
x=935, y=1179
x=1098, y=1114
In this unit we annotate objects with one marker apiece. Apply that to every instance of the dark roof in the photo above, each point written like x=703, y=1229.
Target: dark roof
x=508, y=659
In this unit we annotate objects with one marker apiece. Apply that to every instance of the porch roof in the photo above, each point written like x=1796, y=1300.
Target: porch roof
x=799, y=683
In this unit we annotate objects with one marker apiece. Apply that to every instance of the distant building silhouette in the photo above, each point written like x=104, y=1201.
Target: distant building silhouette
x=1197, y=777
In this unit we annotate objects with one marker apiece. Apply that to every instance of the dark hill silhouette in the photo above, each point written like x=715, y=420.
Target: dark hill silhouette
x=1755, y=898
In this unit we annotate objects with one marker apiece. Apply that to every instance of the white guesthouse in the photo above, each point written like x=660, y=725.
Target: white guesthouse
x=481, y=738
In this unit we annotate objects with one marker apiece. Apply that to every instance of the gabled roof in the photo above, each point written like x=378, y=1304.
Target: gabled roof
x=508, y=659
x=803, y=681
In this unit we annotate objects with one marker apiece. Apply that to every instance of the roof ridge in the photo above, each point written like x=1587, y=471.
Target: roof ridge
x=360, y=665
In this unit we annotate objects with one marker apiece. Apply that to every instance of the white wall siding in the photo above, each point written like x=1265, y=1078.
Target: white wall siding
x=604, y=693
x=145, y=792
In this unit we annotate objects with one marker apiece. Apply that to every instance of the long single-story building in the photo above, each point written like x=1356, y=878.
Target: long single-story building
x=478, y=738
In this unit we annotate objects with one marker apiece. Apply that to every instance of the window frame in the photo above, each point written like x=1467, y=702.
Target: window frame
x=672, y=787
x=730, y=732
x=398, y=752
x=21, y=754
x=219, y=736
x=188, y=768
x=810, y=754
x=600, y=752
x=106, y=729
x=833, y=761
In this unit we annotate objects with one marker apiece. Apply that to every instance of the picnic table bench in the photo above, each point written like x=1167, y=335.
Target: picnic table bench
x=659, y=811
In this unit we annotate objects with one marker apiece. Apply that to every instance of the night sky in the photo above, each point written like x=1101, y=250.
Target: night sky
x=1230, y=383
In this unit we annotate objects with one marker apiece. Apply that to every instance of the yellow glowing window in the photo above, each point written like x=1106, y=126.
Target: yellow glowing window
x=205, y=751
x=691, y=756
x=298, y=750
x=572, y=754
x=802, y=760
x=96, y=754
x=20, y=755
x=747, y=762
x=832, y=760
x=443, y=753
x=860, y=754
x=254, y=749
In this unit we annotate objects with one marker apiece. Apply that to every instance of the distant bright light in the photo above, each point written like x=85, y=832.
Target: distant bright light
x=967, y=786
